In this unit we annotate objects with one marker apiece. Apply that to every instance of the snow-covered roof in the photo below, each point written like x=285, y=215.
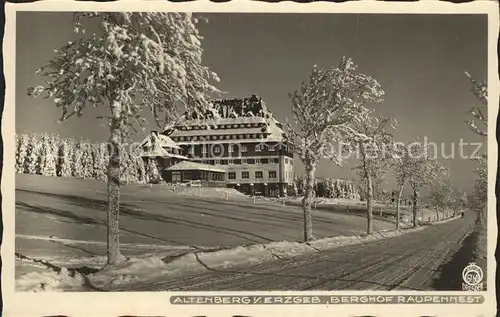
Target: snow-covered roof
x=189, y=165
x=156, y=145
x=162, y=153
x=234, y=107
x=155, y=140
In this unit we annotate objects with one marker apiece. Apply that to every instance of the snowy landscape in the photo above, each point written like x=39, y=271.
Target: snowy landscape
x=121, y=193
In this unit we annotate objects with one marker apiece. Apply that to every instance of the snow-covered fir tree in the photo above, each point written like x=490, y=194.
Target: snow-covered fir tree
x=47, y=158
x=21, y=151
x=76, y=158
x=153, y=174
x=87, y=163
x=65, y=158
x=32, y=154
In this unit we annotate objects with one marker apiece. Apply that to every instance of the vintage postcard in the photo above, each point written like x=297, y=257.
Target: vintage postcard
x=250, y=159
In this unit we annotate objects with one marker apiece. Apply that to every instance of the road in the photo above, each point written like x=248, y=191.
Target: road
x=422, y=260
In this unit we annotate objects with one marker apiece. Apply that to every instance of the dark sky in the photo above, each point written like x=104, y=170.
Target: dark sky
x=419, y=60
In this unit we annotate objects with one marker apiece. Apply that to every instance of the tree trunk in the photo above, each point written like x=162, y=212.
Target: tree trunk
x=307, y=201
x=437, y=214
x=113, y=250
x=398, y=206
x=369, y=207
x=415, y=206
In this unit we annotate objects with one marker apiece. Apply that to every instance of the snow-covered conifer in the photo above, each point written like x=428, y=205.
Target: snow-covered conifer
x=32, y=154
x=65, y=158
x=21, y=152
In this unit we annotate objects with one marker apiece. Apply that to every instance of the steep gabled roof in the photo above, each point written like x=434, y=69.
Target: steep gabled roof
x=157, y=140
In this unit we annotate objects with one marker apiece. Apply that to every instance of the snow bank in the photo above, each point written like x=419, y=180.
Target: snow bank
x=152, y=268
x=50, y=280
x=147, y=269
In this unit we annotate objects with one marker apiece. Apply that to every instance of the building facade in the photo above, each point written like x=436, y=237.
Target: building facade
x=242, y=137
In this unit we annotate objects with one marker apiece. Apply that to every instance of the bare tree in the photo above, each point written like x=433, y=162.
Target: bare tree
x=423, y=170
x=480, y=90
x=375, y=150
x=402, y=165
x=138, y=62
x=441, y=196
x=322, y=108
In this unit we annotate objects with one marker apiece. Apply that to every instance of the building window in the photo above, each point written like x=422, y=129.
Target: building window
x=223, y=162
x=250, y=161
x=272, y=148
x=264, y=161
x=176, y=177
x=245, y=175
x=244, y=161
x=231, y=175
x=216, y=148
x=237, y=161
x=204, y=149
x=257, y=161
x=272, y=174
x=259, y=174
x=244, y=148
x=276, y=160
x=230, y=161
x=258, y=148
x=211, y=162
x=217, y=162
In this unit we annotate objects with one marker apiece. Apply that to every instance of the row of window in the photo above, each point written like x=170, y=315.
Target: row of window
x=232, y=148
x=241, y=161
x=246, y=175
x=221, y=126
x=219, y=137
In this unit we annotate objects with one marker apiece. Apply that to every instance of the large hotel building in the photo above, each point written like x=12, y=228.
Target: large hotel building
x=239, y=137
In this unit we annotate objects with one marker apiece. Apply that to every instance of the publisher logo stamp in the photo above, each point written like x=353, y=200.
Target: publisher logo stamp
x=473, y=277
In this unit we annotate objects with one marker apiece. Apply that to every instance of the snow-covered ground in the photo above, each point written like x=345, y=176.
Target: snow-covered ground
x=148, y=268
x=62, y=223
